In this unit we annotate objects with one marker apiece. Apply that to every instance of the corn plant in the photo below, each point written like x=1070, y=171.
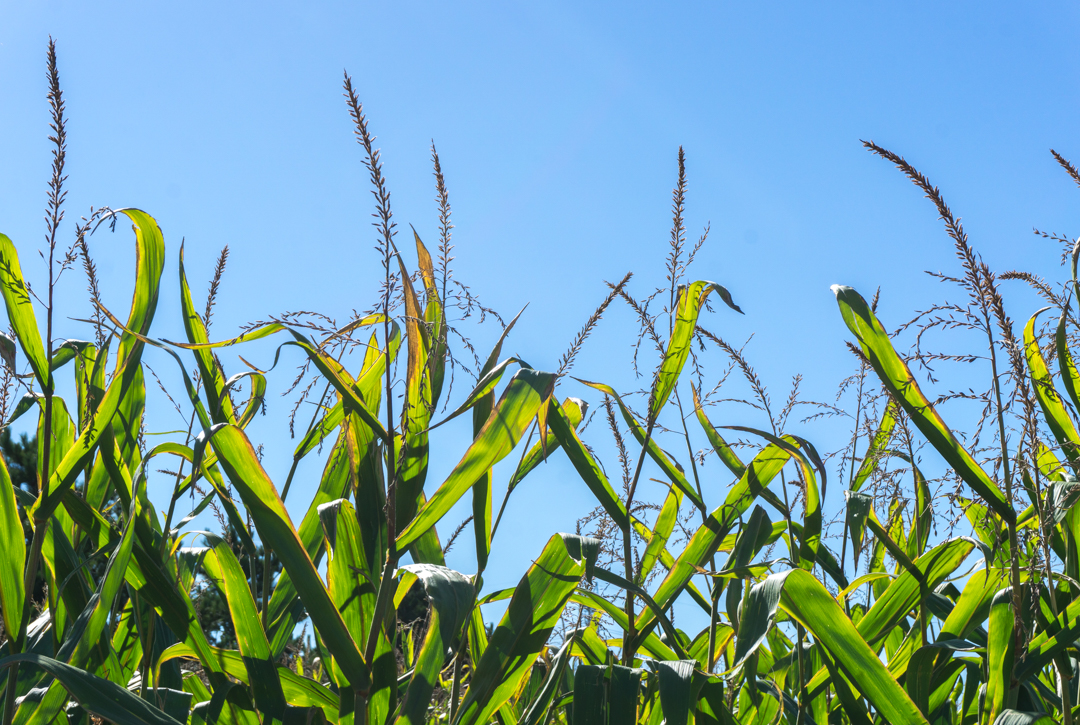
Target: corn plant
x=920, y=628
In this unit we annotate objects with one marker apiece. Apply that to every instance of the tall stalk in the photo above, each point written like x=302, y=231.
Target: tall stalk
x=385, y=225
x=53, y=216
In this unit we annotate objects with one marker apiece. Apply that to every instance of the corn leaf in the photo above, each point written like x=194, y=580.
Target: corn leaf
x=12, y=556
x=710, y=535
x=1000, y=655
x=99, y=696
x=808, y=602
x=587, y=467
x=222, y=566
x=20, y=311
x=689, y=306
x=519, y=404
x=451, y=595
x=897, y=378
x=1054, y=413
x=533, y=611
x=276, y=530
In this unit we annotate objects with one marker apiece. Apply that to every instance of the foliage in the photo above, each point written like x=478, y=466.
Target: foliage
x=352, y=615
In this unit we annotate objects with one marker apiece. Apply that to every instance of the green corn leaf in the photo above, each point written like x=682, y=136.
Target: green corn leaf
x=624, y=688
x=903, y=593
x=859, y=505
x=485, y=386
x=213, y=376
x=919, y=677
x=973, y=606
x=807, y=457
x=590, y=695
x=128, y=375
x=677, y=689
x=1070, y=376
x=1000, y=655
x=1047, y=644
x=804, y=599
x=299, y=691
x=756, y=616
x=416, y=415
x=660, y=533
x=99, y=696
x=587, y=467
x=482, y=401
x=1015, y=717
x=86, y=631
x=334, y=484
x=1054, y=413
x=351, y=577
x=723, y=451
x=691, y=299
x=851, y=703
x=327, y=365
x=20, y=311
x=348, y=576
x=434, y=316
x=222, y=566
x=877, y=445
x=369, y=383
x=710, y=535
x=897, y=378
x=126, y=644
x=451, y=595
x=261, y=499
x=149, y=263
x=533, y=611
x=574, y=410
x=539, y=708
x=519, y=404
x=12, y=556
x=656, y=453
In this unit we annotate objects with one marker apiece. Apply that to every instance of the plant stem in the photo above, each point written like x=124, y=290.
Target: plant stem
x=629, y=645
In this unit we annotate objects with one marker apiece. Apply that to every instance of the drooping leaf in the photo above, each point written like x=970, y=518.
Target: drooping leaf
x=723, y=451
x=677, y=689
x=1015, y=717
x=97, y=695
x=1054, y=413
x=222, y=566
x=451, y=595
x=20, y=311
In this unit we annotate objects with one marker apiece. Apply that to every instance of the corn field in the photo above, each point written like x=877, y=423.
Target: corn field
x=958, y=603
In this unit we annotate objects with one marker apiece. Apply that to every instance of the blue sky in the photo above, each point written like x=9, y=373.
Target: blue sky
x=558, y=126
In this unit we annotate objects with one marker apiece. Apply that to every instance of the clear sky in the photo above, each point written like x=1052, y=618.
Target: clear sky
x=558, y=126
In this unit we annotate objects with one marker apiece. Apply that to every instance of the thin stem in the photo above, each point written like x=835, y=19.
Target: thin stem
x=630, y=635
x=851, y=476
